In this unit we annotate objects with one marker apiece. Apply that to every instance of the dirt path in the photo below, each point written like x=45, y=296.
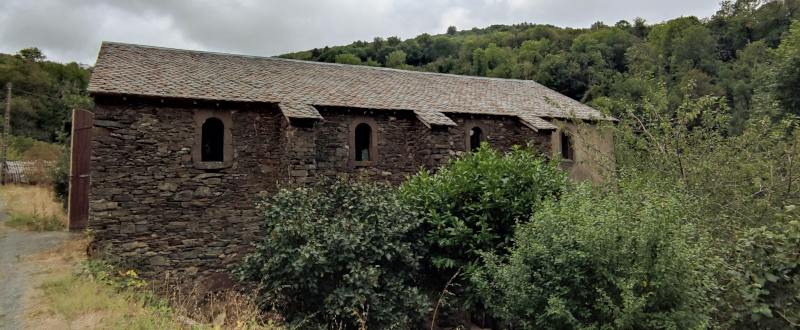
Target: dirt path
x=15, y=278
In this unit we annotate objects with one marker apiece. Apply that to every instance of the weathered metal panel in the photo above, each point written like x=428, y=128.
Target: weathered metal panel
x=80, y=169
x=27, y=171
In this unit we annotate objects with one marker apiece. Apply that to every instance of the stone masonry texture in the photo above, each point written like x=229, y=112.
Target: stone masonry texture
x=150, y=208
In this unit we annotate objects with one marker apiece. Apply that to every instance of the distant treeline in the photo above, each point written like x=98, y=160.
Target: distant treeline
x=44, y=93
x=604, y=66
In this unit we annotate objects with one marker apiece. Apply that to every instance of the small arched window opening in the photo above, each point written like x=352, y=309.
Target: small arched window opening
x=567, y=150
x=363, y=137
x=213, y=141
x=475, y=138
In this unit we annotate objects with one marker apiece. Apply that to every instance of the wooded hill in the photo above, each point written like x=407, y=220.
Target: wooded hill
x=44, y=93
x=607, y=67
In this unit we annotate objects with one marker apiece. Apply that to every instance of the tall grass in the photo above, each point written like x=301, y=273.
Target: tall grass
x=72, y=296
x=32, y=208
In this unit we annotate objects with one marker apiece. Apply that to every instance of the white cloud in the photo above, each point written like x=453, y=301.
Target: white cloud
x=72, y=30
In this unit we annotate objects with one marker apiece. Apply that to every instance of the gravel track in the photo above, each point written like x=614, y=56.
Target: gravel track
x=14, y=282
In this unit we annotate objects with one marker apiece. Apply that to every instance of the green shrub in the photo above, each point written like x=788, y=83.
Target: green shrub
x=339, y=253
x=767, y=267
x=59, y=176
x=620, y=258
x=474, y=202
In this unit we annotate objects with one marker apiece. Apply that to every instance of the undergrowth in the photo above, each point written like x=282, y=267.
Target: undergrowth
x=32, y=208
x=120, y=299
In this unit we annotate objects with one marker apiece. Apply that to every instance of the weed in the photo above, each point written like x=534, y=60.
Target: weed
x=32, y=208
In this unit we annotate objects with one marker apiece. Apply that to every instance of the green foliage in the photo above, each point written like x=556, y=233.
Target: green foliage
x=59, y=176
x=767, y=266
x=32, y=54
x=785, y=72
x=35, y=222
x=396, y=59
x=111, y=275
x=620, y=62
x=474, y=202
x=348, y=59
x=626, y=257
x=743, y=181
x=479, y=62
x=44, y=93
x=337, y=250
x=744, y=185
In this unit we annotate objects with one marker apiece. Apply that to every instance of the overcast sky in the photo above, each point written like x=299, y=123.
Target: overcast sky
x=72, y=30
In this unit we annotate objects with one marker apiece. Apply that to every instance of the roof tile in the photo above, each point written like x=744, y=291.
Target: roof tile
x=298, y=86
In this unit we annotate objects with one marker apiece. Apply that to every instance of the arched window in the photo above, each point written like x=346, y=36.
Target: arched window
x=213, y=140
x=363, y=137
x=567, y=150
x=362, y=141
x=475, y=138
x=212, y=148
x=475, y=133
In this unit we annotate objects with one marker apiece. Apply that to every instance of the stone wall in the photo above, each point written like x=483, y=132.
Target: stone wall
x=402, y=146
x=152, y=209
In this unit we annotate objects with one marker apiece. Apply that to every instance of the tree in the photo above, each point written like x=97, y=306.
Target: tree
x=451, y=30
x=784, y=74
x=480, y=63
x=623, y=25
x=393, y=41
x=598, y=25
x=396, y=59
x=640, y=28
x=32, y=54
x=348, y=59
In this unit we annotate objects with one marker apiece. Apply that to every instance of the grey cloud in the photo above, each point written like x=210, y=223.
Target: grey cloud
x=71, y=30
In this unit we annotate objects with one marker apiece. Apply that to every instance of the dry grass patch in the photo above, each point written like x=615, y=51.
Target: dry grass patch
x=33, y=208
x=76, y=293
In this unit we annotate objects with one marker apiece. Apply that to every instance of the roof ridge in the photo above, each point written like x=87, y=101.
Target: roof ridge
x=144, y=70
x=328, y=63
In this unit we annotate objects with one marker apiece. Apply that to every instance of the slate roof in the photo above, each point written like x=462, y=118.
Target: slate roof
x=299, y=86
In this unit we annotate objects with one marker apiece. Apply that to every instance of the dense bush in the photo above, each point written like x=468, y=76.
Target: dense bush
x=339, y=253
x=742, y=181
x=474, y=202
x=766, y=266
x=626, y=258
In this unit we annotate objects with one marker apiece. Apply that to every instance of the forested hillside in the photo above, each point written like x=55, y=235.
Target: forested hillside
x=44, y=93
x=608, y=67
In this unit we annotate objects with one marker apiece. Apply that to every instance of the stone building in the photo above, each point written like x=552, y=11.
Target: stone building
x=186, y=142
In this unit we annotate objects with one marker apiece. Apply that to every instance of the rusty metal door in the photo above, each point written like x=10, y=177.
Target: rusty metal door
x=80, y=169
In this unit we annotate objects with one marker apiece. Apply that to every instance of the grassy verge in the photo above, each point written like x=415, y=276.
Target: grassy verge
x=32, y=208
x=110, y=299
x=84, y=303
x=95, y=295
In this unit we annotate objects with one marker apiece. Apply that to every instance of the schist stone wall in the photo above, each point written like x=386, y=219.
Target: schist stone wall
x=153, y=208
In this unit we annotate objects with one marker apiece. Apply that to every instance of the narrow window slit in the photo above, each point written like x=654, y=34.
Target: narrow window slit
x=475, y=138
x=363, y=136
x=213, y=140
x=566, y=147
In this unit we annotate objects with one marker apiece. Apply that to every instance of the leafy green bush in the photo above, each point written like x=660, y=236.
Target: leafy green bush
x=474, y=202
x=340, y=253
x=59, y=176
x=742, y=181
x=767, y=267
x=624, y=258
